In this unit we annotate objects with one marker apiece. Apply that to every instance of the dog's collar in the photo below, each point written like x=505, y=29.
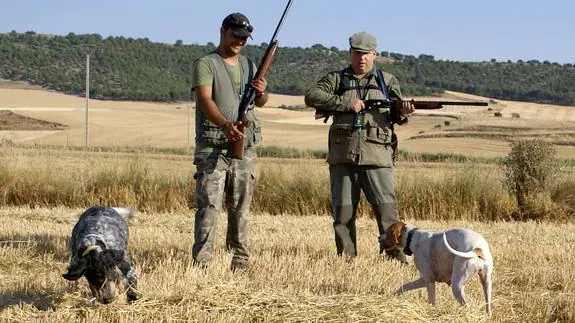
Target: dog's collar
x=99, y=244
x=407, y=251
x=90, y=248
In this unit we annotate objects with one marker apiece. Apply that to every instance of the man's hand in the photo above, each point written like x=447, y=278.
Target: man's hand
x=407, y=107
x=357, y=105
x=231, y=130
x=260, y=86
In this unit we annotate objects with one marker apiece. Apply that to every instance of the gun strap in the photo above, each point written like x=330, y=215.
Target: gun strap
x=381, y=83
x=383, y=88
x=345, y=85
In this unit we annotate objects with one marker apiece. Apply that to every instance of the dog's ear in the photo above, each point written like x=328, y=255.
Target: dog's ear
x=76, y=270
x=395, y=232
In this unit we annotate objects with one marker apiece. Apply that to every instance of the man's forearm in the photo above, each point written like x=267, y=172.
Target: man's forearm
x=213, y=113
x=319, y=99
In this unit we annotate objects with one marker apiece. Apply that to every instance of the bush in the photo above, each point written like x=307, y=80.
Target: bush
x=529, y=171
x=564, y=195
x=515, y=115
x=447, y=122
x=498, y=114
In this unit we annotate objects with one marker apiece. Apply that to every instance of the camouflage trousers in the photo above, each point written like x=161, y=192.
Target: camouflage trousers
x=347, y=181
x=217, y=176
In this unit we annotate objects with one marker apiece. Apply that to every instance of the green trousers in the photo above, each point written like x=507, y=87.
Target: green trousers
x=347, y=182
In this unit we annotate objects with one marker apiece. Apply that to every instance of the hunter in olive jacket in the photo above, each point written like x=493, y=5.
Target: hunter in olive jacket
x=370, y=144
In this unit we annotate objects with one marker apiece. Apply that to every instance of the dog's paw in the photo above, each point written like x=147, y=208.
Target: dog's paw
x=132, y=295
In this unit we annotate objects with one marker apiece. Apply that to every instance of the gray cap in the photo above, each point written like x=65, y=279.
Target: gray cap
x=363, y=42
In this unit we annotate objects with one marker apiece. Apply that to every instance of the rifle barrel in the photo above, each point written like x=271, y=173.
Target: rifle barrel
x=475, y=103
x=432, y=105
x=284, y=14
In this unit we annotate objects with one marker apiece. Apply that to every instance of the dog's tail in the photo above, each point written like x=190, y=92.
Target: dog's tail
x=125, y=212
x=477, y=252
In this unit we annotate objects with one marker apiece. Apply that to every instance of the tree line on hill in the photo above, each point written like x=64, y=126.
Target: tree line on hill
x=139, y=69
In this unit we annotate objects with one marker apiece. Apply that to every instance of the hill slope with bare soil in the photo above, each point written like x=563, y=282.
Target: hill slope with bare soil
x=15, y=122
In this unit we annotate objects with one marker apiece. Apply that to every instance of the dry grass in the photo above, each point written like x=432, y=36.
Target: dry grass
x=295, y=275
x=45, y=177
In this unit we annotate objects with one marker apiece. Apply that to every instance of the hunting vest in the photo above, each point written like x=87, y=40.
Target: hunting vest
x=227, y=98
x=370, y=144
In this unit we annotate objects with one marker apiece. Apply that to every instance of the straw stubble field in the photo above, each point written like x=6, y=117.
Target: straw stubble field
x=295, y=274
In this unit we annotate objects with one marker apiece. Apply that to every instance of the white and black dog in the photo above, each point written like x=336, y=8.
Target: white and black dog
x=99, y=252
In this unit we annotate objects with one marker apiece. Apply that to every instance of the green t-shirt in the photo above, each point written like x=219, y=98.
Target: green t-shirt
x=203, y=74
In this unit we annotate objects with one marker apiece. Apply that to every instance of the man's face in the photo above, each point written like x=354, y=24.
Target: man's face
x=362, y=62
x=232, y=43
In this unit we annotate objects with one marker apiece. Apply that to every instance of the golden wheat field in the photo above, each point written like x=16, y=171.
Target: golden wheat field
x=295, y=274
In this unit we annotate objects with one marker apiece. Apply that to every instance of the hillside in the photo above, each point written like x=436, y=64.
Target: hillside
x=138, y=69
x=471, y=131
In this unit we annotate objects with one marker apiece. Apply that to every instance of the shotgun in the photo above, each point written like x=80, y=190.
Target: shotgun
x=236, y=149
x=394, y=105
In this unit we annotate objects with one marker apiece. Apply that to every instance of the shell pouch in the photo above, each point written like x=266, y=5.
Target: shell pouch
x=253, y=132
x=378, y=128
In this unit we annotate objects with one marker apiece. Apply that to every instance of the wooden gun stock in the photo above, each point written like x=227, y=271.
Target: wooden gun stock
x=236, y=149
x=266, y=61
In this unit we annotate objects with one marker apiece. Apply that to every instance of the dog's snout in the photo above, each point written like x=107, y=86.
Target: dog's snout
x=107, y=300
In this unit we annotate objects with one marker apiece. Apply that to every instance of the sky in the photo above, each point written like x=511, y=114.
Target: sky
x=456, y=30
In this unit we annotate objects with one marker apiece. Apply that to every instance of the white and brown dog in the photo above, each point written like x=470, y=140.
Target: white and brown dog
x=437, y=261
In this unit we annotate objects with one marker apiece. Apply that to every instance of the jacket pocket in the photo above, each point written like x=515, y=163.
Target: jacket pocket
x=376, y=149
x=211, y=135
x=253, y=132
x=343, y=144
x=376, y=134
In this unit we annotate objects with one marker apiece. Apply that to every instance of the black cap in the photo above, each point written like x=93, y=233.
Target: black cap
x=239, y=24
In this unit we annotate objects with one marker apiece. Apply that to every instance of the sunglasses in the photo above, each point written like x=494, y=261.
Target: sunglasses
x=239, y=24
